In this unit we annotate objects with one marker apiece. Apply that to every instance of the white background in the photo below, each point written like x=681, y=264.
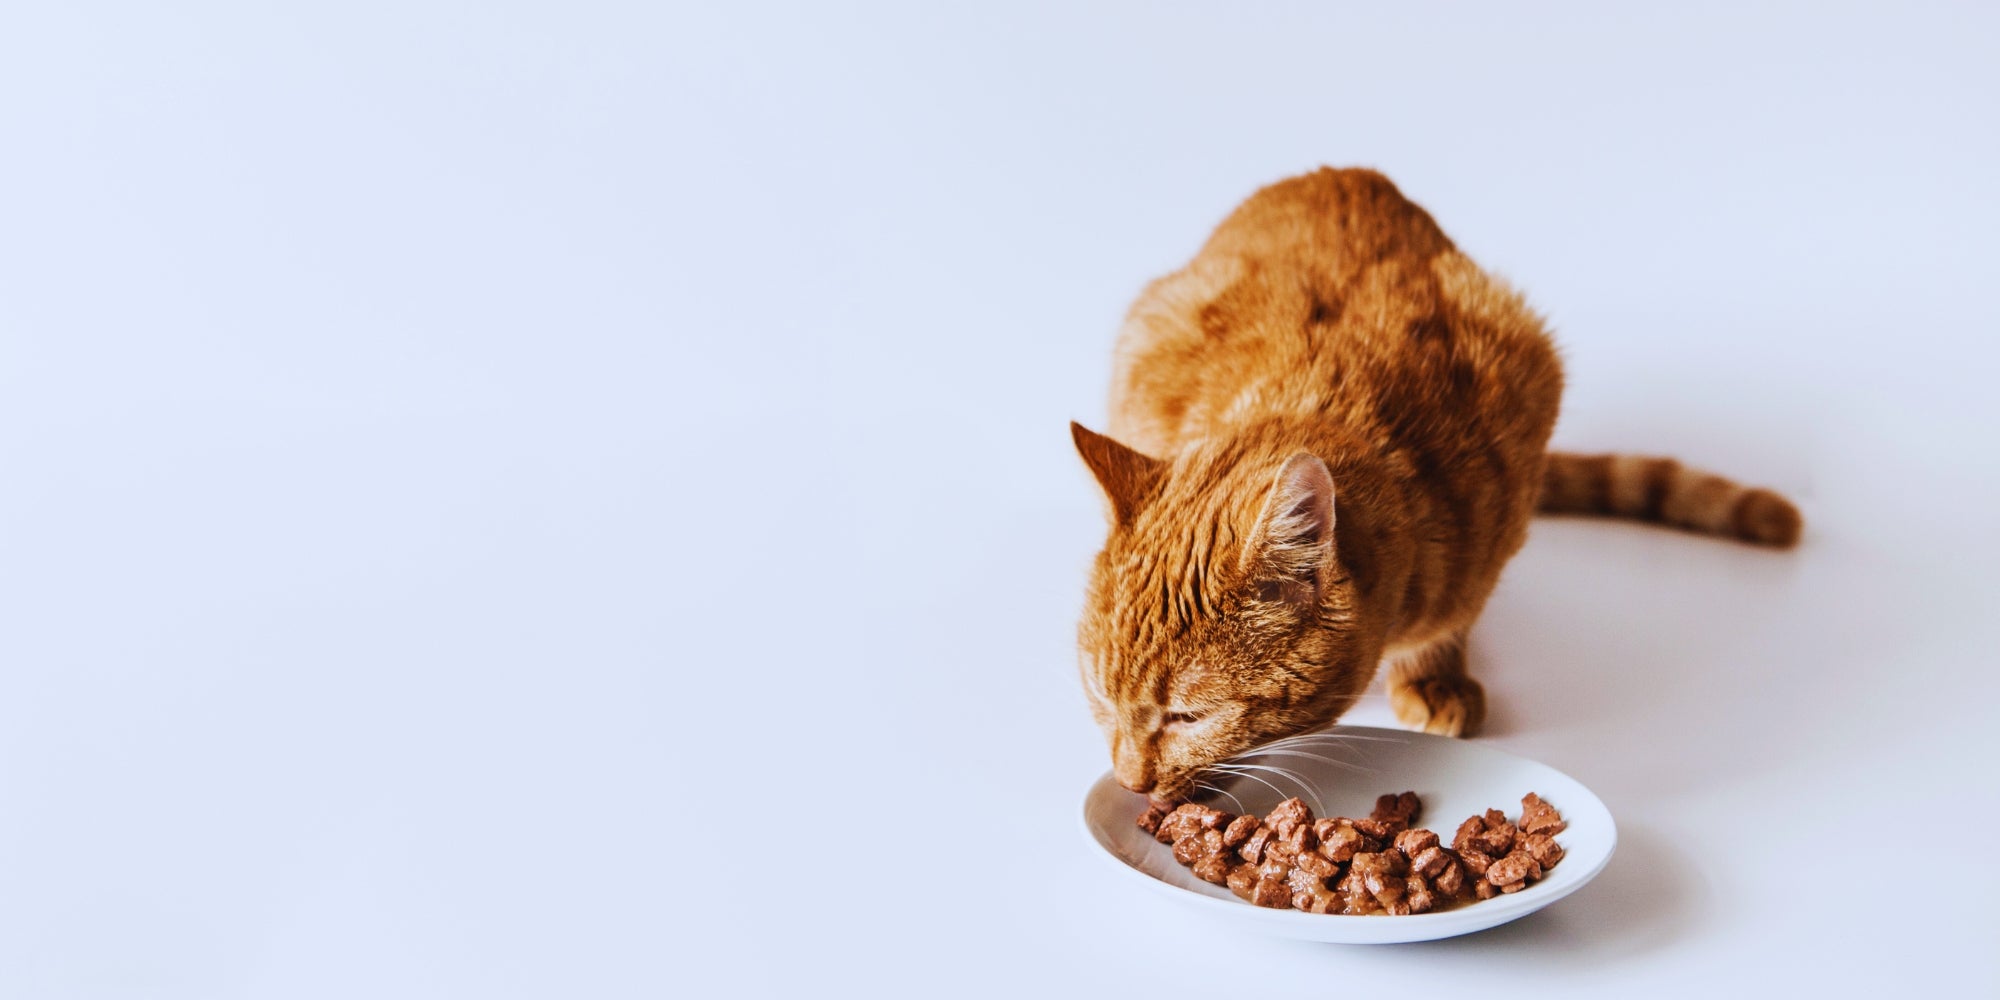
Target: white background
x=575, y=501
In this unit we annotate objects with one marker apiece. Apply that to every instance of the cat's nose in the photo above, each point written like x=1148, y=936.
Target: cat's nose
x=1130, y=765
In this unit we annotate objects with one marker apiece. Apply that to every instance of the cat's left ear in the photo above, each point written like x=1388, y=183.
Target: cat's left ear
x=1128, y=477
x=1291, y=549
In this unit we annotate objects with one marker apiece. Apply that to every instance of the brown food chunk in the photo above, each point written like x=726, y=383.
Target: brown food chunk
x=1355, y=896
x=1239, y=830
x=1403, y=808
x=1490, y=835
x=1149, y=820
x=1193, y=816
x=1483, y=889
x=1450, y=880
x=1419, y=894
x=1213, y=868
x=1385, y=876
x=1415, y=842
x=1315, y=865
x=1241, y=879
x=1321, y=900
x=1516, y=867
x=1300, y=839
x=1271, y=892
x=1197, y=845
x=1274, y=867
x=1476, y=861
x=1287, y=814
x=1543, y=848
x=1467, y=830
x=1253, y=848
x=1430, y=861
x=1540, y=817
x=1339, y=841
x=1379, y=830
x=1309, y=890
x=1281, y=851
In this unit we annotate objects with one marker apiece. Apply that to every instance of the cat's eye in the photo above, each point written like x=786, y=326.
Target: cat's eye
x=1182, y=718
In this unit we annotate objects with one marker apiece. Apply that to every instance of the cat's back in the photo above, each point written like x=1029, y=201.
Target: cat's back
x=1332, y=295
x=1328, y=226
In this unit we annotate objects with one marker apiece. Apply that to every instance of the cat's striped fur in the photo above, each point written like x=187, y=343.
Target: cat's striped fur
x=1328, y=433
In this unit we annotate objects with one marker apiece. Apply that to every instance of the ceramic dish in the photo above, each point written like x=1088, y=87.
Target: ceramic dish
x=1338, y=773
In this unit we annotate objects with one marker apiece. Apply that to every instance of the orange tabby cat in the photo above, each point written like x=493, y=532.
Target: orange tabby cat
x=1331, y=430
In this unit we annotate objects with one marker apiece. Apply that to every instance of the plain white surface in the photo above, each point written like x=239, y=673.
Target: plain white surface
x=575, y=501
x=1341, y=772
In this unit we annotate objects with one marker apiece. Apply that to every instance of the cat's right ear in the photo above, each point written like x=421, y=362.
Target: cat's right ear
x=1292, y=546
x=1128, y=477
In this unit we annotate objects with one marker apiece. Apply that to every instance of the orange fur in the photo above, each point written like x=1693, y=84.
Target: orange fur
x=1328, y=433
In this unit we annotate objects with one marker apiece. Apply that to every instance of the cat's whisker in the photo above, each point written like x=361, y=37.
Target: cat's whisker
x=1239, y=774
x=1323, y=735
x=1303, y=784
x=1225, y=793
x=1357, y=768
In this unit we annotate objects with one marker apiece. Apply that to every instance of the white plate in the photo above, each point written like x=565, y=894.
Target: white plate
x=1455, y=779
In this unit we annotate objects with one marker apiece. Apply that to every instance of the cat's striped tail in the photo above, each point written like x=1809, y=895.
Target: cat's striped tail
x=1664, y=491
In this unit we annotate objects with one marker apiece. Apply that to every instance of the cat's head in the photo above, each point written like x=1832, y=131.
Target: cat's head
x=1218, y=617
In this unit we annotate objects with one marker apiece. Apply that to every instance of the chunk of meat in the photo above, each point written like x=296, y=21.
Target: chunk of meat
x=1239, y=830
x=1490, y=835
x=1543, y=848
x=1386, y=877
x=1189, y=817
x=1540, y=817
x=1241, y=878
x=1300, y=839
x=1310, y=891
x=1404, y=808
x=1196, y=845
x=1213, y=867
x=1379, y=830
x=1419, y=895
x=1274, y=867
x=1519, y=866
x=1271, y=892
x=1315, y=865
x=1475, y=861
x=1340, y=841
x=1286, y=815
x=1253, y=848
x=1467, y=830
x=1415, y=842
x=1450, y=880
x=1430, y=861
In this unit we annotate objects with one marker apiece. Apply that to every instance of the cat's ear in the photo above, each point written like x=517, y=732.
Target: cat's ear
x=1291, y=549
x=1128, y=477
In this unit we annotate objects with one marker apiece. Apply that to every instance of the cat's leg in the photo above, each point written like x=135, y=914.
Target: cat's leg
x=1429, y=689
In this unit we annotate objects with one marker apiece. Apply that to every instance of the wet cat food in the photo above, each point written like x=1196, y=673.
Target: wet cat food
x=1380, y=864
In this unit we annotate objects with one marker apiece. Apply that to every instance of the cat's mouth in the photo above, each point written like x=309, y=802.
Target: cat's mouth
x=1174, y=790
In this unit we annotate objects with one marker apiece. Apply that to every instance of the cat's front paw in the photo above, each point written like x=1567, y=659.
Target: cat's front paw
x=1452, y=705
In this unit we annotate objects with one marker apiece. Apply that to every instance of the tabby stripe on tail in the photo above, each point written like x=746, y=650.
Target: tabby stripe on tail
x=1663, y=490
